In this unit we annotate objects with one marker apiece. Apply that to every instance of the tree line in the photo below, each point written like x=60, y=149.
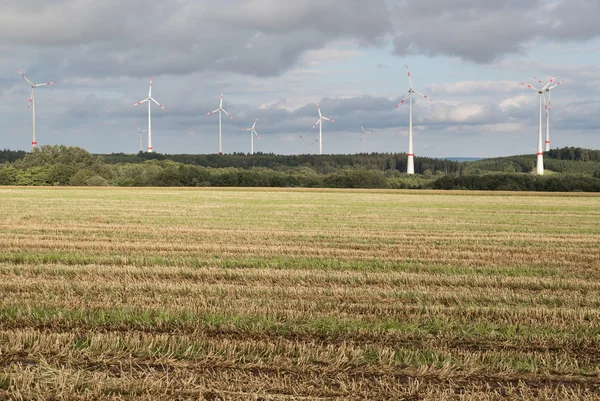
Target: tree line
x=62, y=165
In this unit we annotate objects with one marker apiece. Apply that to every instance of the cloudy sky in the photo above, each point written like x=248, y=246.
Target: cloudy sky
x=275, y=59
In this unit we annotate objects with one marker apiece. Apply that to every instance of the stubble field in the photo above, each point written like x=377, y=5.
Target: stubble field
x=297, y=295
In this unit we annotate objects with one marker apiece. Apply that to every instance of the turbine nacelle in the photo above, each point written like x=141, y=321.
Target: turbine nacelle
x=364, y=131
x=220, y=109
x=139, y=129
x=411, y=91
x=149, y=98
x=252, y=129
x=33, y=86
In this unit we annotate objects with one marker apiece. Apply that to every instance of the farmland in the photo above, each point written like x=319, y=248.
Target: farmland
x=255, y=294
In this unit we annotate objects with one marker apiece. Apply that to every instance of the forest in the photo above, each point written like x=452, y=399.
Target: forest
x=567, y=169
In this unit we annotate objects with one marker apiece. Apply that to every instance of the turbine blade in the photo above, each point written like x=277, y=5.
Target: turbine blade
x=319, y=109
x=150, y=89
x=539, y=80
x=428, y=98
x=31, y=98
x=212, y=112
x=44, y=84
x=328, y=119
x=139, y=129
x=549, y=82
x=23, y=75
x=317, y=123
x=409, y=80
x=403, y=100
x=555, y=85
x=256, y=133
x=159, y=105
x=228, y=115
x=141, y=101
x=546, y=105
x=221, y=103
x=255, y=120
x=530, y=87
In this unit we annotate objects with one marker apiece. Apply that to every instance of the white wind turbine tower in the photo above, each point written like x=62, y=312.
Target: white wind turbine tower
x=540, y=153
x=320, y=123
x=252, y=133
x=148, y=99
x=141, y=132
x=547, y=100
x=363, y=137
x=410, y=168
x=220, y=109
x=32, y=103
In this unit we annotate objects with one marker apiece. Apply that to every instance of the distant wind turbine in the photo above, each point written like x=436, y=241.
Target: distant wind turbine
x=32, y=103
x=220, y=109
x=547, y=101
x=252, y=134
x=141, y=132
x=410, y=168
x=300, y=138
x=148, y=99
x=540, y=153
x=320, y=124
x=315, y=141
x=363, y=137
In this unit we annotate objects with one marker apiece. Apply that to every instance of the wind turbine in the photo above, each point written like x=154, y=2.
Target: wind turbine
x=540, y=153
x=252, y=133
x=141, y=132
x=220, y=109
x=300, y=138
x=32, y=103
x=148, y=99
x=547, y=101
x=363, y=137
x=410, y=168
x=320, y=124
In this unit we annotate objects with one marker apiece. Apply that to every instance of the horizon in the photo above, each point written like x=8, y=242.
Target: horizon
x=276, y=61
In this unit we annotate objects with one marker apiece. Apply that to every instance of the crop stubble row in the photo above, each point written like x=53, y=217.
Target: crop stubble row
x=299, y=294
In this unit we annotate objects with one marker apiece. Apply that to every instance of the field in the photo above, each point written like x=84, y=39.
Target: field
x=298, y=295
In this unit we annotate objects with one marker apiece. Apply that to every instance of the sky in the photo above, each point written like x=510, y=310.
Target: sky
x=274, y=60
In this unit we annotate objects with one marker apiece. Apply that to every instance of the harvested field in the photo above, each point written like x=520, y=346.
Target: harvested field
x=233, y=294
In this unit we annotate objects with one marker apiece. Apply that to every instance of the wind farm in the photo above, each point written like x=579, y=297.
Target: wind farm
x=414, y=249
x=544, y=103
